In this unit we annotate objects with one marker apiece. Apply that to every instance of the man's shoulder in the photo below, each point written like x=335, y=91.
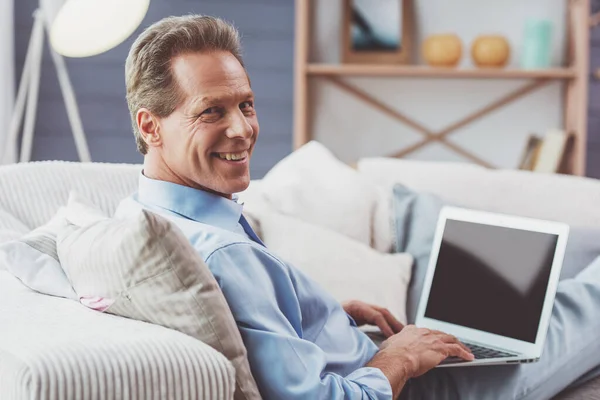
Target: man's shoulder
x=206, y=239
x=209, y=239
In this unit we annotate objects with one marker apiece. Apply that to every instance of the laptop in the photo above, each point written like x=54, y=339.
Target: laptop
x=491, y=282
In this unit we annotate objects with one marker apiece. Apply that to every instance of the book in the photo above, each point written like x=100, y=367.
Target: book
x=567, y=159
x=553, y=154
x=528, y=158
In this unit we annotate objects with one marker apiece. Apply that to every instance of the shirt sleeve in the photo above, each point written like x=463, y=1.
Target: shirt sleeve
x=262, y=297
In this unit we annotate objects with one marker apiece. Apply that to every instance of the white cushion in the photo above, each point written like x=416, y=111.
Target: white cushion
x=570, y=199
x=254, y=201
x=10, y=227
x=314, y=186
x=34, y=261
x=82, y=212
x=382, y=226
x=143, y=267
x=33, y=258
x=346, y=268
x=253, y=196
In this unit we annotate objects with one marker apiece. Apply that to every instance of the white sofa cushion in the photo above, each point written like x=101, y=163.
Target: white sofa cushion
x=143, y=267
x=33, y=259
x=254, y=201
x=56, y=349
x=314, y=186
x=344, y=267
x=10, y=227
x=570, y=199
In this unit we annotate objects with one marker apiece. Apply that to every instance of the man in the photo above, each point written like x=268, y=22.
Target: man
x=195, y=121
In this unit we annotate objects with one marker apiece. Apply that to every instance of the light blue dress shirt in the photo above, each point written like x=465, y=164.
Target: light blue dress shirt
x=301, y=344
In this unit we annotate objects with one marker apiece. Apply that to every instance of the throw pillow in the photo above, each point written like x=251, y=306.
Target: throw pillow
x=33, y=259
x=144, y=268
x=10, y=227
x=312, y=185
x=344, y=267
x=583, y=247
x=416, y=215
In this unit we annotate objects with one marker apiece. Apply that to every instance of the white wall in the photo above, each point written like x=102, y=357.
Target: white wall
x=352, y=128
x=7, y=62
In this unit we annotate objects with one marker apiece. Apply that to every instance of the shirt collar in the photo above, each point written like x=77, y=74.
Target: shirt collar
x=194, y=204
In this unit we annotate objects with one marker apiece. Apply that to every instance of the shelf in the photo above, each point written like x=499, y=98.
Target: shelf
x=573, y=77
x=431, y=72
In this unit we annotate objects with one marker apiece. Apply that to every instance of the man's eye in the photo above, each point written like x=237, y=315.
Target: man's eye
x=212, y=110
x=246, y=106
x=211, y=114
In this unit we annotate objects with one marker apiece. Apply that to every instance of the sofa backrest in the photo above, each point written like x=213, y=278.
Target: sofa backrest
x=33, y=192
x=565, y=198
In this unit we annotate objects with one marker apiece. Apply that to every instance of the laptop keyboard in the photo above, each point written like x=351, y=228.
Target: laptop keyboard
x=480, y=353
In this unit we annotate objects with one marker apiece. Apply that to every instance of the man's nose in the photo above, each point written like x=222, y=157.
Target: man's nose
x=239, y=126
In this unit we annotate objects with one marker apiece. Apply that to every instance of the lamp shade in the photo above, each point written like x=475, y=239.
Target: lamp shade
x=83, y=28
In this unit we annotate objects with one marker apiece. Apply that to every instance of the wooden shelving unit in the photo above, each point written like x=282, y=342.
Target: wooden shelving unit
x=415, y=71
x=574, y=78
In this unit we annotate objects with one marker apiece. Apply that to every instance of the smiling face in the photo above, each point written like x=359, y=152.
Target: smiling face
x=207, y=142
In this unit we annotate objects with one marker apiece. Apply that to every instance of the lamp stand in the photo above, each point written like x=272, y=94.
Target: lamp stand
x=27, y=98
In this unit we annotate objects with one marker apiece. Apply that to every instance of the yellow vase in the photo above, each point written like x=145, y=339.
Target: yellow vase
x=490, y=51
x=442, y=50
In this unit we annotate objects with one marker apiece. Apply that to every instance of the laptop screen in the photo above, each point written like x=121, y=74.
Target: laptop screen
x=492, y=278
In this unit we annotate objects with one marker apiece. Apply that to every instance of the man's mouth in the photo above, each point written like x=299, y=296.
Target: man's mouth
x=242, y=156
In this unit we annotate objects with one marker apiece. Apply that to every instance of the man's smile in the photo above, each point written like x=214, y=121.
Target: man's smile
x=237, y=158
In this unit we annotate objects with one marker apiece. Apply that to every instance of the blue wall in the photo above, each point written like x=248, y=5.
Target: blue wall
x=267, y=28
x=593, y=141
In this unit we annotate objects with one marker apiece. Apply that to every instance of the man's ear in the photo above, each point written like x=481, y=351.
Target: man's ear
x=149, y=127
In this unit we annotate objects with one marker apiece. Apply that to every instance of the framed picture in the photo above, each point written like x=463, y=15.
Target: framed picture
x=377, y=31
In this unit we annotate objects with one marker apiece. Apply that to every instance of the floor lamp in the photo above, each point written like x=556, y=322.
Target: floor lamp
x=75, y=28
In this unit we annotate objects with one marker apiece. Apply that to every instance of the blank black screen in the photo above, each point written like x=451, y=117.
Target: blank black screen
x=492, y=278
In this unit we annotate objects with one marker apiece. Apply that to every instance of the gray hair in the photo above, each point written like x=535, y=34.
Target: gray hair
x=148, y=74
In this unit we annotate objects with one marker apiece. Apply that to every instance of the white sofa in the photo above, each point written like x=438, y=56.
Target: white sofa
x=54, y=348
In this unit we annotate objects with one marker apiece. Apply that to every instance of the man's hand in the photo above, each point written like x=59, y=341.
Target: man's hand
x=415, y=351
x=364, y=313
x=424, y=348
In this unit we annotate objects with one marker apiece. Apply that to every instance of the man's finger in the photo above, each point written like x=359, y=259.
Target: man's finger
x=454, y=340
x=456, y=350
x=391, y=320
x=446, y=338
x=380, y=321
x=468, y=350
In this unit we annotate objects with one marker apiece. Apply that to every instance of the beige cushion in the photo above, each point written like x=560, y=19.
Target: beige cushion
x=149, y=271
x=346, y=268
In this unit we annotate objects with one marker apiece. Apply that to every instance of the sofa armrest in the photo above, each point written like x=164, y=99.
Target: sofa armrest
x=54, y=348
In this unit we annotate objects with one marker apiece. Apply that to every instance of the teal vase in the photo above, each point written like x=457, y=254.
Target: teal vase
x=537, y=44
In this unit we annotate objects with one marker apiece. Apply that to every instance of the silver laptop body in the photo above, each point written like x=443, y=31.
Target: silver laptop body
x=491, y=282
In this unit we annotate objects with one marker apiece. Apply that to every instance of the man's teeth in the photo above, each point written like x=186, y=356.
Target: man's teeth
x=233, y=156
